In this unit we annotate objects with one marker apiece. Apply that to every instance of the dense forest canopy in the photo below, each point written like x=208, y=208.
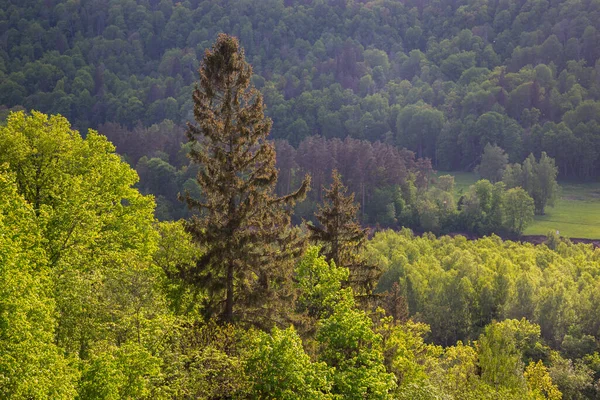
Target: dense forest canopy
x=101, y=300
x=97, y=303
x=441, y=78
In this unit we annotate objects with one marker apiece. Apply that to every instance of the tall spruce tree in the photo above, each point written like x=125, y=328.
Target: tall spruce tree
x=342, y=237
x=244, y=229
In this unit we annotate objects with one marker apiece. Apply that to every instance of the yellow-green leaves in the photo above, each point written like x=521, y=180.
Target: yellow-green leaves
x=177, y=256
x=540, y=383
x=89, y=239
x=125, y=372
x=319, y=282
x=350, y=346
x=279, y=368
x=80, y=188
x=31, y=365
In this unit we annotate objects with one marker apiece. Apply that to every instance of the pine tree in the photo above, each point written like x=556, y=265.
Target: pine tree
x=342, y=237
x=244, y=229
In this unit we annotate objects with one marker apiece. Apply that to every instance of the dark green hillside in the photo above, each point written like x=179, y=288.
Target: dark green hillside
x=442, y=78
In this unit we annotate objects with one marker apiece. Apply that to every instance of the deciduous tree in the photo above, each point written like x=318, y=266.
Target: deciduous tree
x=519, y=210
x=31, y=365
x=493, y=163
x=97, y=230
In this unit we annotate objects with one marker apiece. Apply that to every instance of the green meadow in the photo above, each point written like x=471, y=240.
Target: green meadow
x=576, y=213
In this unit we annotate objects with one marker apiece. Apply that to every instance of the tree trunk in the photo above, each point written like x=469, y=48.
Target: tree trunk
x=229, y=298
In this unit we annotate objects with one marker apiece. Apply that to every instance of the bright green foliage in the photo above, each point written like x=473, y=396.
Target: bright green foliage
x=279, y=368
x=96, y=232
x=459, y=374
x=458, y=286
x=350, y=346
x=319, y=282
x=409, y=357
x=345, y=335
x=31, y=365
x=126, y=372
x=177, y=252
x=501, y=349
x=461, y=377
x=540, y=383
x=97, y=228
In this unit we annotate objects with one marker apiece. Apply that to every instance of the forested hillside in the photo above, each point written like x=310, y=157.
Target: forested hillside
x=101, y=300
x=440, y=78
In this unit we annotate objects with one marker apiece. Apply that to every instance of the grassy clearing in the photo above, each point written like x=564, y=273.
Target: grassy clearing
x=462, y=180
x=576, y=213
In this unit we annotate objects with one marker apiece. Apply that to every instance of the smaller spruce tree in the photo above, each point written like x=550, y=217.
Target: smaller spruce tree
x=342, y=238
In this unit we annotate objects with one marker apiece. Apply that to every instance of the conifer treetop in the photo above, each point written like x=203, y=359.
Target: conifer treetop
x=245, y=229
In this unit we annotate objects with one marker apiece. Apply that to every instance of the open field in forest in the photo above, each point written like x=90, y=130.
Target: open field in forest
x=462, y=180
x=576, y=213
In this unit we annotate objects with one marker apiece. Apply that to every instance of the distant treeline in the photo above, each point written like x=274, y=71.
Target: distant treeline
x=442, y=79
x=393, y=187
x=375, y=172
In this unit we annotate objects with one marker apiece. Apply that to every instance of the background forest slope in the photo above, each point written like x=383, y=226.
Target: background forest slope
x=441, y=78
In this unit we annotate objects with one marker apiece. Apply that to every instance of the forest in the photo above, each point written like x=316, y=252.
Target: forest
x=241, y=199
x=100, y=300
x=442, y=79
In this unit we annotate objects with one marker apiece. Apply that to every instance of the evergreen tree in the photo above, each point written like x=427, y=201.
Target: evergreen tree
x=244, y=228
x=342, y=237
